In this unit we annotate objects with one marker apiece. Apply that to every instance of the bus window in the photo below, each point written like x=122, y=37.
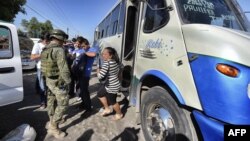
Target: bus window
x=102, y=33
x=5, y=43
x=212, y=12
x=156, y=15
x=114, y=19
x=106, y=24
x=107, y=33
x=121, y=18
x=115, y=27
x=248, y=16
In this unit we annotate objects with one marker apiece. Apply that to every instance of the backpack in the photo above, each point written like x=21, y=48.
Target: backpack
x=78, y=67
x=49, y=66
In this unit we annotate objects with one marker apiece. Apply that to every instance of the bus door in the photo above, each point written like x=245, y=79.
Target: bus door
x=129, y=42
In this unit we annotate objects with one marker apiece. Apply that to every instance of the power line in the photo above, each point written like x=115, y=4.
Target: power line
x=56, y=16
x=56, y=12
x=60, y=15
x=40, y=15
x=63, y=14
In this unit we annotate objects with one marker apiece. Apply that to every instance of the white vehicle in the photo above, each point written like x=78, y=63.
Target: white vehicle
x=35, y=40
x=186, y=64
x=11, y=80
x=27, y=63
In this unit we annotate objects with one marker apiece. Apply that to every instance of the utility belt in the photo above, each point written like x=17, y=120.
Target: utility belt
x=54, y=77
x=59, y=81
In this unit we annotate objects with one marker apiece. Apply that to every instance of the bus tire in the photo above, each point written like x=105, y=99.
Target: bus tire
x=162, y=119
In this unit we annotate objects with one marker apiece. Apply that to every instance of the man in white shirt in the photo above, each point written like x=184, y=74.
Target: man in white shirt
x=35, y=55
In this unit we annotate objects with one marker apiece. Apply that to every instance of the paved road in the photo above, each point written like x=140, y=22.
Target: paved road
x=79, y=125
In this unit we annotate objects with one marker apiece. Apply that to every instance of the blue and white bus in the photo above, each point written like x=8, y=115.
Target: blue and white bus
x=186, y=65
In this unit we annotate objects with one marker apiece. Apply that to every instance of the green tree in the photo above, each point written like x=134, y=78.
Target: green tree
x=21, y=33
x=35, y=28
x=9, y=9
x=46, y=27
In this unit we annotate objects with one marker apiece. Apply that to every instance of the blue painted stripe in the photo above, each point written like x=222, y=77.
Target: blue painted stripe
x=222, y=97
x=168, y=82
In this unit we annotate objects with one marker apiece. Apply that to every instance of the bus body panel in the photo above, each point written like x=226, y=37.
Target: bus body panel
x=211, y=130
x=223, y=43
x=167, y=52
x=113, y=41
x=160, y=75
x=221, y=95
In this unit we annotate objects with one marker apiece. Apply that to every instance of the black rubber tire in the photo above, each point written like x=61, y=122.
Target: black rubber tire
x=159, y=96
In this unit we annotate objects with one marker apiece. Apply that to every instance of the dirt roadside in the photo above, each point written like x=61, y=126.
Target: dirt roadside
x=79, y=125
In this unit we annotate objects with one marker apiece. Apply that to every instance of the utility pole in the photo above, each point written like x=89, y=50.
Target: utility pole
x=67, y=30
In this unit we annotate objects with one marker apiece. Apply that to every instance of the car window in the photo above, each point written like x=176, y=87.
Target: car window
x=5, y=43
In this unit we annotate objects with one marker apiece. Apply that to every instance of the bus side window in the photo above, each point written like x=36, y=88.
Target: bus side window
x=121, y=18
x=107, y=24
x=102, y=33
x=156, y=15
x=5, y=43
x=107, y=29
x=114, y=27
x=114, y=20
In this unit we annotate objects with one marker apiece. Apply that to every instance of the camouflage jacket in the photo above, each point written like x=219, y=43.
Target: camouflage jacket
x=54, y=64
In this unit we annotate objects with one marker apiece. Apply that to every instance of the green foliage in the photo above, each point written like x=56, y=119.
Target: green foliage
x=35, y=28
x=9, y=9
x=20, y=33
x=25, y=43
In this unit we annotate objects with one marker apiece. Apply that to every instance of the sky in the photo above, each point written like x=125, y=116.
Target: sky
x=79, y=16
x=245, y=5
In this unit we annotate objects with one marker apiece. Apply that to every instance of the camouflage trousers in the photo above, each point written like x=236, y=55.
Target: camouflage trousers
x=57, y=100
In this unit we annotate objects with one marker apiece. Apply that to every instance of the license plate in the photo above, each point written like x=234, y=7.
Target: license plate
x=25, y=63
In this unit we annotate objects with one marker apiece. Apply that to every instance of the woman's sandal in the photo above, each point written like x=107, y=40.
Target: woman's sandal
x=105, y=113
x=117, y=117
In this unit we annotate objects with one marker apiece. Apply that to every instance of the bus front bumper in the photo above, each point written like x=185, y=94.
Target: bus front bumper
x=211, y=130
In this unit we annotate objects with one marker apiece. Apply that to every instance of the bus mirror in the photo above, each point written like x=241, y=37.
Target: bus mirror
x=168, y=8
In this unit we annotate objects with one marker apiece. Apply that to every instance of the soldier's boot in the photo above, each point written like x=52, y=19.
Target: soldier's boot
x=55, y=131
x=49, y=122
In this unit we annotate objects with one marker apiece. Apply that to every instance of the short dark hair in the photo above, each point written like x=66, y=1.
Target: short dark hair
x=73, y=39
x=80, y=39
x=45, y=36
x=85, y=41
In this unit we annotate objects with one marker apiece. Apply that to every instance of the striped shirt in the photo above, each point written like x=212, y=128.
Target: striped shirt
x=112, y=68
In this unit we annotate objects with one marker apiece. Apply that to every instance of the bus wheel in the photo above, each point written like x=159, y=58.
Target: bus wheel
x=162, y=119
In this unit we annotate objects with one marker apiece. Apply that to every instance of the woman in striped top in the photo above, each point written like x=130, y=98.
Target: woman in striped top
x=108, y=91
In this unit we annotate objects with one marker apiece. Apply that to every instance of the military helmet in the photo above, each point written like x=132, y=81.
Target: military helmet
x=59, y=34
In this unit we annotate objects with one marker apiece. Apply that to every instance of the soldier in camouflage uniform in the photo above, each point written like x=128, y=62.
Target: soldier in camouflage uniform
x=57, y=75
